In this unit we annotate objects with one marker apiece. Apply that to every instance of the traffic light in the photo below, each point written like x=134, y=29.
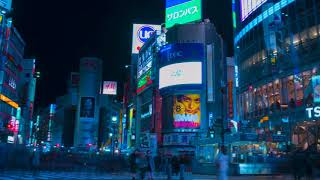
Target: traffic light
x=211, y=133
x=10, y=127
x=37, y=74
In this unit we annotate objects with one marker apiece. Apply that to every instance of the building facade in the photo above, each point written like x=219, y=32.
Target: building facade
x=192, y=78
x=277, y=53
x=148, y=103
x=87, y=121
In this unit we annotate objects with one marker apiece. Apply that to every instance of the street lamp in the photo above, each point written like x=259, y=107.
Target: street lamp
x=127, y=66
x=114, y=119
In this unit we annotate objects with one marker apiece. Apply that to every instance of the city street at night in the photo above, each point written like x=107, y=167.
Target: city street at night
x=160, y=89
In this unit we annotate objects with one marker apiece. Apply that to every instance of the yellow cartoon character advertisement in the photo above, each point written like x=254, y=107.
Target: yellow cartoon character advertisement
x=186, y=111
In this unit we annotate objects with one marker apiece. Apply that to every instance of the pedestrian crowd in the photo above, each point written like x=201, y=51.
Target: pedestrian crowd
x=142, y=165
x=302, y=165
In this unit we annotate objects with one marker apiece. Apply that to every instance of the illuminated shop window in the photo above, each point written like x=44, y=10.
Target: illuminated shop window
x=264, y=96
x=299, y=89
x=290, y=86
x=208, y=153
x=277, y=91
x=270, y=94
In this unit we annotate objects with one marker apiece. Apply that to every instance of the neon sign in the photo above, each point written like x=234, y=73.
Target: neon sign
x=313, y=112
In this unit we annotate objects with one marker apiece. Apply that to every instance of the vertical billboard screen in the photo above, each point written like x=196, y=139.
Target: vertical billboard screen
x=87, y=107
x=141, y=33
x=316, y=88
x=186, y=111
x=249, y=6
x=182, y=11
x=109, y=88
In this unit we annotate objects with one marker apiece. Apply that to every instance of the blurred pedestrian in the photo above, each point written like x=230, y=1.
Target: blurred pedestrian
x=151, y=165
x=133, y=165
x=168, y=166
x=222, y=163
x=309, y=172
x=183, y=163
x=35, y=161
x=298, y=164
x=142, y=164
x=175, y=165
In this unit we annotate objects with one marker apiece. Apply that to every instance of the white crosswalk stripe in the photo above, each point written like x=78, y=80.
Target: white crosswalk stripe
x=20, y=175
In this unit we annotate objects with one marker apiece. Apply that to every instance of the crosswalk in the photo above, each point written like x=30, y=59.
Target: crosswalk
x=21, y=175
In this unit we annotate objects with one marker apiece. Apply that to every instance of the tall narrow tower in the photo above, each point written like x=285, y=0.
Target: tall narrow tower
x=87, y=121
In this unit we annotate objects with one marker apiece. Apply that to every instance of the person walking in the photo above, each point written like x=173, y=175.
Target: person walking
x=168, y=166
x=222, y=162
x=309, y=170
x=183, y=163
x=151, y=165
x=133, y=165
x=35, y=161
x=298, y=163
x=142, y=164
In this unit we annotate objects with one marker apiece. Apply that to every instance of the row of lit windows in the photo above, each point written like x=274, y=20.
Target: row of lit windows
x=288, y=91
x=296, y=39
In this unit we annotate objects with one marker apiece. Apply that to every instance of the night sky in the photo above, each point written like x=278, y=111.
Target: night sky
x=59, y=32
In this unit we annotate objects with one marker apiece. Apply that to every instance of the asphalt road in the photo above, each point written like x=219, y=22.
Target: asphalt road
x=46, y=175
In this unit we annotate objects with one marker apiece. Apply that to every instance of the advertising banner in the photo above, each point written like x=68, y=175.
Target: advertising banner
x=109, y=88
x=6, y=4
x=145, y=141
x=188, y=73
x=178, y=139
x=182, y=12
x=230, y=98
x=144, y=81
x=141, y=33
x=181, y=52
x=316, y=88
x=186, y=111
x=249, y=6
x=87, y=107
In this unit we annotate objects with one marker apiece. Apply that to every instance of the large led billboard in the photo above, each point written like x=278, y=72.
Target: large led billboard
x=182, y=11
x=186, y=111
x=109, y=88
x=249, y=6
x=187, y=73
x=174, y=53
x=87, y=107
x=141, y=33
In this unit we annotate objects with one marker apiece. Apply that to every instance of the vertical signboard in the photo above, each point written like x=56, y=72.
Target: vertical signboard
x=230, y=98
x=210, y=70
x=186, y=111
x=182, y=11
x=316, y=88
x=141, y=33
